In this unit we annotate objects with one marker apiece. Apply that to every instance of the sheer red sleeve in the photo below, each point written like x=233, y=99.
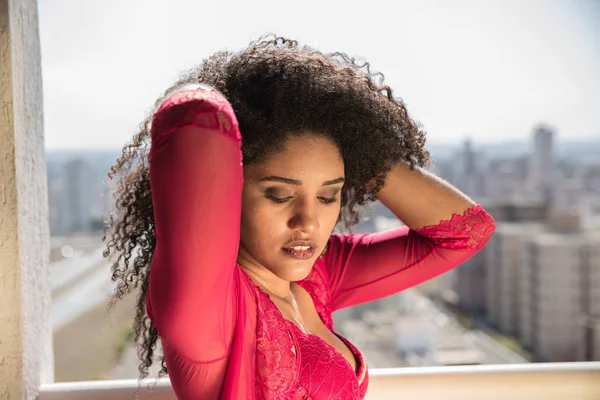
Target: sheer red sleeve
x=196, y=180
x=366, y=267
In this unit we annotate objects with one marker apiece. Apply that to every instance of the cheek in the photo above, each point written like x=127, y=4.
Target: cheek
x=260, y=227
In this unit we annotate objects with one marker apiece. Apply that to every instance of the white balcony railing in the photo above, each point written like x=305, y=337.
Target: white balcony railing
x=580, y=381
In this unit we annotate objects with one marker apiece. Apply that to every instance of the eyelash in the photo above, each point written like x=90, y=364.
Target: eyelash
x=328, y=200
x=324, y=200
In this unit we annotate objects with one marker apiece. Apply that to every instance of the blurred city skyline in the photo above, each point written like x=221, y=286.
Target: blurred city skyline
x=485, y=70
x=530, y=295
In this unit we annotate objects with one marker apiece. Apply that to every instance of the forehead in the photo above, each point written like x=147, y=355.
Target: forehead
x=304, y=157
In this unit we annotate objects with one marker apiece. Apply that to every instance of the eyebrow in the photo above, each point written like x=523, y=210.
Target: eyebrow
x=296, y=182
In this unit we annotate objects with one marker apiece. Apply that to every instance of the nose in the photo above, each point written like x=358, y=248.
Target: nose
x=305, y=218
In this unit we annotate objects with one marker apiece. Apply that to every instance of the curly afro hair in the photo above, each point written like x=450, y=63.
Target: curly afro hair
x=276, y=88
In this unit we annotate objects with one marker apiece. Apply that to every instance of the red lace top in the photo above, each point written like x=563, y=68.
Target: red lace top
x=221, y=335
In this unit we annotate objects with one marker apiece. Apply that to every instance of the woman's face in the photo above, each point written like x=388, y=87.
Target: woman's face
x=290, y=205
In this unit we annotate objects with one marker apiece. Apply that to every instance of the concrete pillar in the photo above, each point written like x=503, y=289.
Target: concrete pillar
x=26, y=358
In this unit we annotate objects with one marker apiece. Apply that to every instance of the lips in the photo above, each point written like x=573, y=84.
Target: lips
x=300, y=249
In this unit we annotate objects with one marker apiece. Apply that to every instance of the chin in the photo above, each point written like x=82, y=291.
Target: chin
x=295, y=271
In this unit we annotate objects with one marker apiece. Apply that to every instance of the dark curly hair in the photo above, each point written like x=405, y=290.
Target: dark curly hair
x=276, y=88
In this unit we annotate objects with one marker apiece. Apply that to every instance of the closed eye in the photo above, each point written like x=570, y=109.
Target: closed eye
x=327, y=200
x=281, y=200
x=278, y=200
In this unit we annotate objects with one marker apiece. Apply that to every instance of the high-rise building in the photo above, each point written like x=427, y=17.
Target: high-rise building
x=507, y=178
x=469, y=170
x=502, y=266
x=77, y=202
x=542, y=163
x=469, y=281
x=506, y=210
x=589, y=349
x=559, y=282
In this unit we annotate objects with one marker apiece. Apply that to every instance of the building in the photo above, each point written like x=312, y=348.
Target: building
x=542, y=163
x=502, y=269
x=469, y=171
x=507, y=178
x=559, y=295
x=469, y=282
x=512, y=210
x=79, y=195
x=589, y=349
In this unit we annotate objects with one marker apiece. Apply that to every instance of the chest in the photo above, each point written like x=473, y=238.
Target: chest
x=293, y=364
x=306, y=324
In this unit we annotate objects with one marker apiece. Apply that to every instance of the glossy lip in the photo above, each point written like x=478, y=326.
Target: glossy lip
x=302, y=254
x=309, y=243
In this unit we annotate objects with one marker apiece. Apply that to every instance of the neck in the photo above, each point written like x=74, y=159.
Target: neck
x=264, y=278
x=273, y=286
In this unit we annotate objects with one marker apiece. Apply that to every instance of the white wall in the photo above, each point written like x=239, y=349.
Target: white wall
x=25, y=336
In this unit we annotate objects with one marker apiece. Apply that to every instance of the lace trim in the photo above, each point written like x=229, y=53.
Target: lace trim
x=469, y=230
x=317, y=287
x=278, y=369
x=276, y=363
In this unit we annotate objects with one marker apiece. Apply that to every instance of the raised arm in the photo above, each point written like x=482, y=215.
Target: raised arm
x=444, y=229
x=196, y=180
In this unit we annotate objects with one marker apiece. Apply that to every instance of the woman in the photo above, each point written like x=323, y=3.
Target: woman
x=238, y=268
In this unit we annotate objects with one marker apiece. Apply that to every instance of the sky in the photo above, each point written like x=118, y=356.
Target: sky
x=486, y=69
